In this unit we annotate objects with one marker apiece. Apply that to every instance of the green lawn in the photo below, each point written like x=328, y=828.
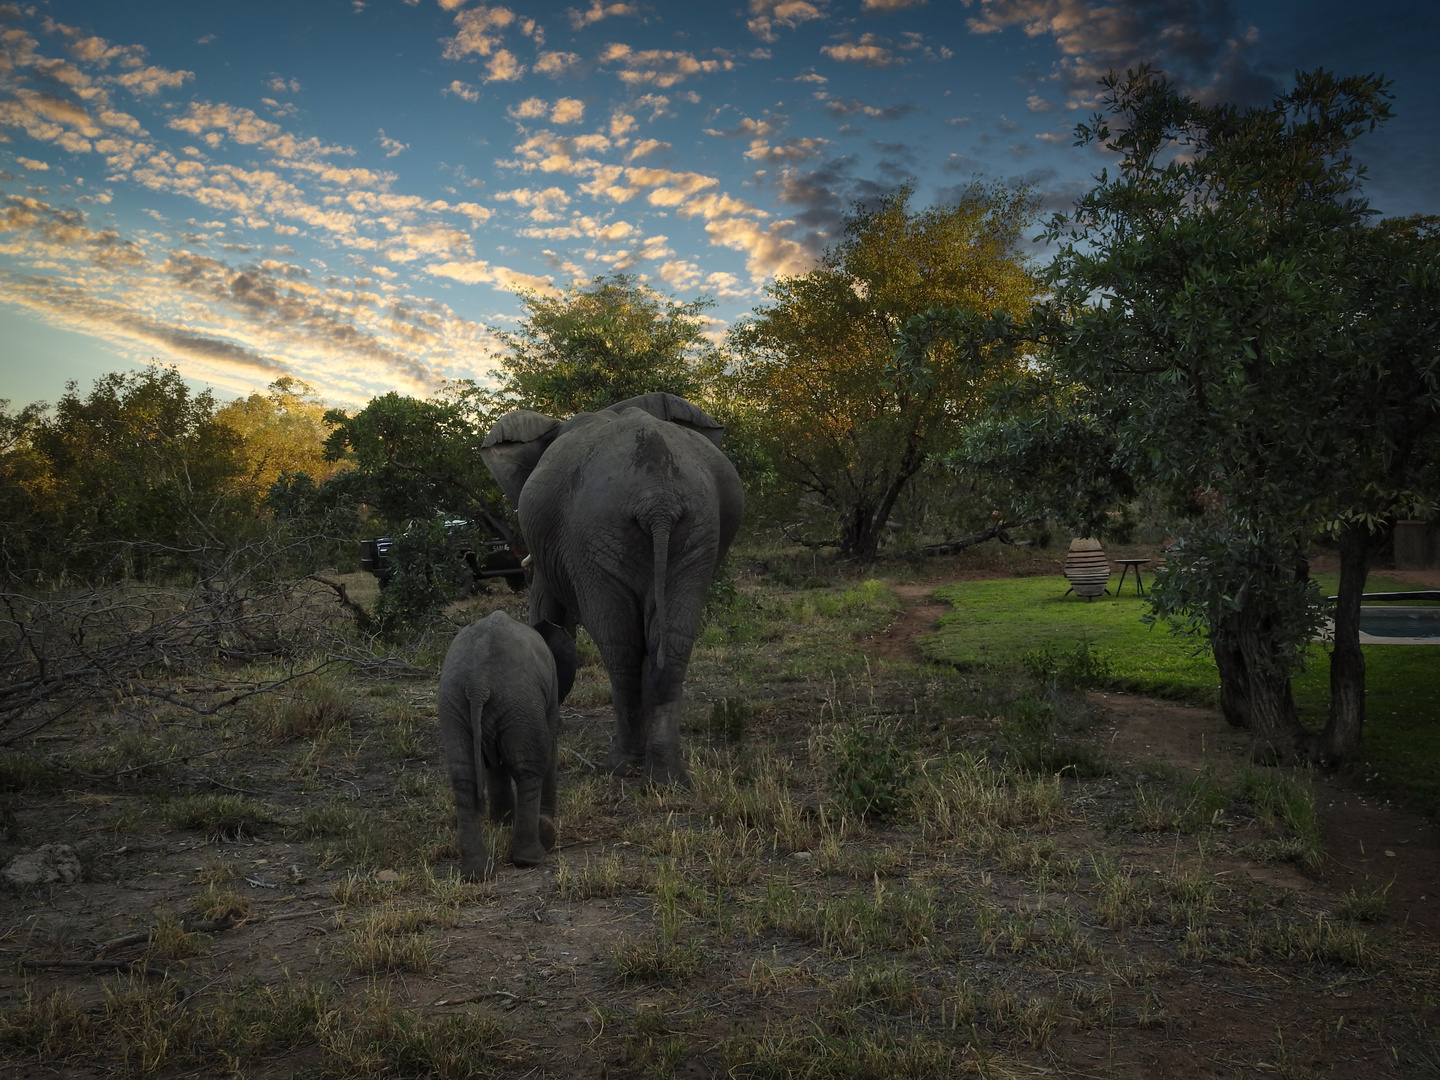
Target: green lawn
x=993, y=624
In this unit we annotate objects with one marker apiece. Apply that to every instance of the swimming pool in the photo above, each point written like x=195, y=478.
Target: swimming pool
x=1400, y=625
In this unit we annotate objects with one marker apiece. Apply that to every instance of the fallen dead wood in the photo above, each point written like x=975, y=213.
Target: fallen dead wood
x=135, y=966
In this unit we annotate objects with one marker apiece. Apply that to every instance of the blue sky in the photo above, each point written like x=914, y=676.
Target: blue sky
x=349, y=191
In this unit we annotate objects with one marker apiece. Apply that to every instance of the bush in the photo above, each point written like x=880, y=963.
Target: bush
x=871, y=770
x=1078, y=669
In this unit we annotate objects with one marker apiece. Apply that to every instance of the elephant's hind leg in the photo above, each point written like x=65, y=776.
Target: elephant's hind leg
x=623, y=661
x=502, y=794
x=527, y=846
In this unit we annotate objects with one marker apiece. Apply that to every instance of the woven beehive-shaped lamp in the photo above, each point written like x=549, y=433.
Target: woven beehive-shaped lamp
x=1086, y=568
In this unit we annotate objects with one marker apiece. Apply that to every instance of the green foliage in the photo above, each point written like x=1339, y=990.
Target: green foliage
x=417, y=458
x=730, y=719
x=282, y=431
x=1078, y=669
x=218, y=814
x=835, y=417
x=871, y=770
x=1218, y=301
x=138, y=477
x=318, y=523
x=428, y=574
x=597, y=344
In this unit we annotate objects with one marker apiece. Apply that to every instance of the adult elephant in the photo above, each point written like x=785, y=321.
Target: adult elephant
x=627, y=513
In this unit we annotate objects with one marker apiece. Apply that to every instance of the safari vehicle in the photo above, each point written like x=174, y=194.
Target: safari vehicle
x=485, y=558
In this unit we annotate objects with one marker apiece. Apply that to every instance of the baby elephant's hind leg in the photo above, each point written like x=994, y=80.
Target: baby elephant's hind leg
x=502, y=795
x=527, y=847
x=466, y=781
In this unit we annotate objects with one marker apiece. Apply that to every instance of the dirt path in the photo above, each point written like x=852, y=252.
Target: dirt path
x=1368, y=842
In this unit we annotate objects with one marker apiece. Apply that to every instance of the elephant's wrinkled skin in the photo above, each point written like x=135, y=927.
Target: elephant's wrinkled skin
x=499, y=703
x=627, y=513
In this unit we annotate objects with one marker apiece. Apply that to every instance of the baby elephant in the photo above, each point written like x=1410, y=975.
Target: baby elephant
x=500, y=693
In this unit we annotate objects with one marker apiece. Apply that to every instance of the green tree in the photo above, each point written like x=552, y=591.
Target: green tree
x=283, y=431
x=839, y=420
x=1205, y=302
x=27, y=491
x=139, y=474
x=415, y=458
x=1388, y=357
x=592, y=346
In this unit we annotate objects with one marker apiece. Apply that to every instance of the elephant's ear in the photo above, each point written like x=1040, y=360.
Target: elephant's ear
x=513, y=448
x=562, y=647
x=677, y=410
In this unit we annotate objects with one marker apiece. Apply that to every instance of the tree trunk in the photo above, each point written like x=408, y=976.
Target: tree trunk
x=1276, y=735
x=1341, y=740
x=860, y=535
x=1234, y=683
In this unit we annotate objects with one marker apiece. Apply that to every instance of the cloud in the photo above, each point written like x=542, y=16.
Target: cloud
x=662, y=68
x=478, y=30
x=646, y=147
x=542, y=204
x=568, y=111
x=393, y=147
x=148, y=82
x=557, y=64
x=868, y=51
x=278, y=84
x=464, y=91
x=842, y=108
x=215, y=121
x=658, y=104
x=474, y=211
x=664, y=186
x=547, y=152
x=750, y=128
x=597, y=11
x=885, y=7
x=32, y=165
x=222, y=322
x=790, y=151
x=529, y=109
x=503, y=67
x=1201, y=43
x=621, y=124
x=477, y=272
x=769, y=249
x=766, y=15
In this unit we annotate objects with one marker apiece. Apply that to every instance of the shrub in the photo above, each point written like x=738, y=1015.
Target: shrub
x=871, y=770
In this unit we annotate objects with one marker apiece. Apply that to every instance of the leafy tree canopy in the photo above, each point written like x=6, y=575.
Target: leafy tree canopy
x=600, y=343
x=416, y=458
x=135, y=473
x=1210, y=300
x=839, y=419
x=283, y=431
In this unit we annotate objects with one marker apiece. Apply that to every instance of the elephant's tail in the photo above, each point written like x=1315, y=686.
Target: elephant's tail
x=660, y=544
